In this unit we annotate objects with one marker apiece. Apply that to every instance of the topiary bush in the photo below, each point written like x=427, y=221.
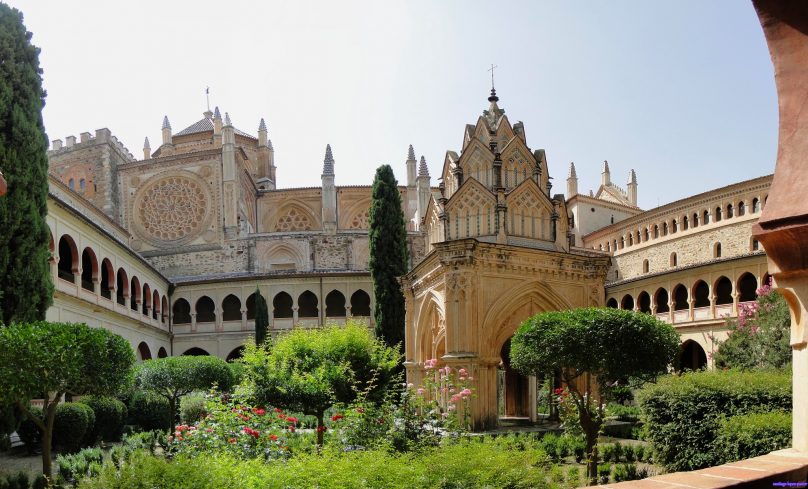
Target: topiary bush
x=150, y=411
x=71, y=424
x=682, y=414
x=749, y=435
x=110, y=417
x=29, y=431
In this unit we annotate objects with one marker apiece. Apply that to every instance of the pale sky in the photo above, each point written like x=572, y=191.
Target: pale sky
x=681, y=91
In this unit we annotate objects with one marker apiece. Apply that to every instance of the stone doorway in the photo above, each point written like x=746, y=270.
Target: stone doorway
x=515, y=390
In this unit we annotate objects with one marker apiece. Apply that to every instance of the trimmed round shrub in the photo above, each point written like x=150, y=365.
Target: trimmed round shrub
x=150, y=411
x=682, y=414
x=71, y=424
x=110, y=417
x=29, y=431
x=192, y=408
x=749, y=435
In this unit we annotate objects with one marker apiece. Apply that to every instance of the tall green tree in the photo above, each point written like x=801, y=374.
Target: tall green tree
x=389, y=255
x=48, y=360
x=261, y=318
x=593, y=348
x=26, y=289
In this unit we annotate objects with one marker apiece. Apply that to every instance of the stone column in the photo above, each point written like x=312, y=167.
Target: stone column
x=244, y=319
x=193, y=321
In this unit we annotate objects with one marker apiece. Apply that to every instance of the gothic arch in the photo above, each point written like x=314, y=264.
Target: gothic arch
x=292, y=217
x=356, y=216
x=528, y=212
x=431, y=321
x=512, y=307
x=471, y=211
x=279, y=255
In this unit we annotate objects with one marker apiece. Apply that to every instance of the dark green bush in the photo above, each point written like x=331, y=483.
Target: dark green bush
x=150, y=411
x=604, y=472
x=110, y=416
x=749, y=435
x=682, y=413
x=20, y=480
x=29, y=431
x=71, y=424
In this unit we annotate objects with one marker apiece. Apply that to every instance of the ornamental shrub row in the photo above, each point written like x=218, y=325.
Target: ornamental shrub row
x=110, y=417
x=750, y=435
x=683, y=414
x=149, y=411
x=71, y=425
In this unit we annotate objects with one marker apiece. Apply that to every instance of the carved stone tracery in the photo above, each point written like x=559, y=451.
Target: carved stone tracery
x=173, y=209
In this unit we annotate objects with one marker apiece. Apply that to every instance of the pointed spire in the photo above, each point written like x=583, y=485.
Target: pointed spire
x=328, y=162
x=269, y=144
x=423, y=171
x=262, y=126
x=605, y=166
x=572, y=171
x=632, y=177
x=166, y=124
x=227, y=119
x=146, y=144
x=216, y=113
x=411, y=154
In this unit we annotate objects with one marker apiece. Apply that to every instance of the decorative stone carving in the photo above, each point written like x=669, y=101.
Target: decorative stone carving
x=172, y=210
x=360, y=221
x=294, y=220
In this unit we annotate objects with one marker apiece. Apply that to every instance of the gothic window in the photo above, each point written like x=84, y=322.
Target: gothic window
x=307, y=305
x=706, y=218
x=717, y=250
x=741, y=208
x=622, y=242
x=695, y=220
x=656, y=231
x=82, y=184
x=335, y=304
x=755, y=205
x=674, y=261
x=231, y=308
x=685, y=223
x=360, y=303
x=645, y=266
x=281, y=306
x=294, y=220
x=646, y=234
x=205, y=310
x=664, y=229
x=755, y=245
x=674, y=226
x=717, y=214
x=122, y=287
x=360, y=221
x=72, y=184
x=729, y=211
x=638, y=238
x=181, y=312
x=630, y=239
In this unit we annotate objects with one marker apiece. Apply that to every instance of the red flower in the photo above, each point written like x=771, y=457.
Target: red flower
x=292, y=428
x=231, y=440
x=360, y=410
x=558, y=391
x=273, y=437
x=291, y=419
x=259, y=412
x=337, y=417
x=278, y=410
x=321, y=429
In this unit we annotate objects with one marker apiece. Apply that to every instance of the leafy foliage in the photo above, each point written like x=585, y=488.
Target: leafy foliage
x=26, y=290
x=193, y=408
x=609, y=344
x=759, y=337
x=110, y=417
x=682, y=414
x=309, y=370
x=150, y=411
x=49, y=360
x=389, y=255
x=261, y=318
x=174, y=377
x=72, y=423
x=749, y=435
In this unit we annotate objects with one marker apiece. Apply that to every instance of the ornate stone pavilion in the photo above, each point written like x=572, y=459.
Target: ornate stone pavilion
x=168, y=250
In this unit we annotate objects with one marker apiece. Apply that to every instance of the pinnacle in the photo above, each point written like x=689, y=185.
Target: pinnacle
x=227, y=119
x=572, y=171
x=423, y=171
x=216, y=113
x=166, y=124
x=146, y=144
x=632, y=177
x=262, y=126
x=605, y=166
x=410, y=154
x=328, y=162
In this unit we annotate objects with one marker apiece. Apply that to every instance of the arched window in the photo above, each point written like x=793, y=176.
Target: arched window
x=755, y=205
x=181, y=312
x=661, y=300
x=723, y=291
x=155, y=305
x=205, y=310
x=685, y=223
x=307, y=305
x=717, y=250
x=638, y=238
x=695, y=220
x=335, y=304
x=674, y=261
x=251, y=307
x=622, y=242
x=630, y=239
x=664, y=229
x=627, y=303
x=107, y=279
x=646, y=234
x=68, y=259
x=82, y=184
x=691, y=357
x=231, y=308
x=705, y=217
x=717, y=214
x=195, y=352
x=612, y=303
x=754, y=245
x=656, y=231
x=645, y=266
x=89, y=269
x=644, y=302
x=701, y=294
x=146, y=299
x=741, y=208
x=235, y=354
x=122, y=287
x=162, y=353
x=282, y=306
x=134, y=288
x=747, y=288
x=164, y=310
x=674, y=226
x=680, y=298
x=360, y=304
x=730, y=212
x=143, y=352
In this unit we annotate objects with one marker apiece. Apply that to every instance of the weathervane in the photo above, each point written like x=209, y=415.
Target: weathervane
x=492, y=75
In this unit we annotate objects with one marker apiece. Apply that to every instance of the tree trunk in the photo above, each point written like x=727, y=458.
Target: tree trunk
x=320, y=431
x=172, y=403
x=47, y=439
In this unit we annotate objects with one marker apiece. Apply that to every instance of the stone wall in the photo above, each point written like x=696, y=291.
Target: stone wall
x=234, y=256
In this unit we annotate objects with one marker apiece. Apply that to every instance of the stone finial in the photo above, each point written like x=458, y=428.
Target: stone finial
x=572, y=171
x=146, y=144
x=227, y=119
x=328, y=162
x=605, y=166
x=423, y=171
x=410, y=154
x=632, y=177
x=166, y=124
x=216, y=113
x=269, y=144
x=262, y=126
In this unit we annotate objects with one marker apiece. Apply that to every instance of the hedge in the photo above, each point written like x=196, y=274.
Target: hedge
x=110, y=417
x=750, y=435
x=149, y=411
x=682, y=414
x=71, y=425
x=29, y=431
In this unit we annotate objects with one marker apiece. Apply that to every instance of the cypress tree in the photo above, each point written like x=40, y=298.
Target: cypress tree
x=261, y=318
x=388, y=255
x=26, y=288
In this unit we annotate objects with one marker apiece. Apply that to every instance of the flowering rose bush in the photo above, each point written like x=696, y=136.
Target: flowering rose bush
x=235, y=428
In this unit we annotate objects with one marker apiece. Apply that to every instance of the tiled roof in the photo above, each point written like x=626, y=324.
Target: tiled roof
x=207, y=125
